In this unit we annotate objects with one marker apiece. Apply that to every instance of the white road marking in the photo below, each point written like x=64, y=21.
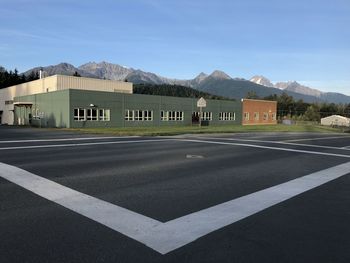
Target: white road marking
x=319, y=138
x=279, y=142
x=80, y=144
x=192, y=156
x=70, y=139
x=265, y=147
x=166, y=237
x=120, y=219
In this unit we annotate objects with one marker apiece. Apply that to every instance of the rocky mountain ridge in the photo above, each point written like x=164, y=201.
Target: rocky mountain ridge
x=217, y=83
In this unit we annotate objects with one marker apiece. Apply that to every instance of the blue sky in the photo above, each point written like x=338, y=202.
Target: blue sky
x=303, y=40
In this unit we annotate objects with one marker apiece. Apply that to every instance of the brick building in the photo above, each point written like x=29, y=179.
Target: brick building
x=258, y=112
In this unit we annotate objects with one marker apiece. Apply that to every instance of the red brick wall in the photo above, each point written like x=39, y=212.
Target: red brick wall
x=259, y=112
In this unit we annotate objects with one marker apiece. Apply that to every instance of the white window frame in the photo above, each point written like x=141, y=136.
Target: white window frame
x=172, y=115
x=148, y=115
x=179, y=116
x=246, y=116
x=164, y=115
x=105, y=116
x=129, y=115
x=227, y=116
x=89, y=115
x=256, y=116
x=138, y=115
x=265, y=116
x=207, y=116
x=273, y=116
x=76, y=117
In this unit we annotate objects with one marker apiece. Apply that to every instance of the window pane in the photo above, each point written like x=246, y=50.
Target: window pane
x=94, y=114
x=107, y=115
x=101, y=114
x=76, y=114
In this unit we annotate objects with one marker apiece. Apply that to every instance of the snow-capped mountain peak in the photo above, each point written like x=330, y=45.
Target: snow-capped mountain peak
x=262, y=81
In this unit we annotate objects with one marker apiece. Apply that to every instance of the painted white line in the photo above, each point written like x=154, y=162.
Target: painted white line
x=319, y=138
x=120, y=219
x=193, y=226
x=70, y=139
x=193, y=156
x=166, y=237
x=278, y=142
x=79, y=144
x=265, y=147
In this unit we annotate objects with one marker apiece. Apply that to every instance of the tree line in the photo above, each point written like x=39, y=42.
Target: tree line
x=173, y=90
x=288, y=107
x=11, y=77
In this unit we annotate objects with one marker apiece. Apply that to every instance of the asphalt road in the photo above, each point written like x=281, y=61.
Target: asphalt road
x=162, y=179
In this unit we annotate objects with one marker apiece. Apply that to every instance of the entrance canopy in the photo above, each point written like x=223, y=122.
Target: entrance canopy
x=23, y=104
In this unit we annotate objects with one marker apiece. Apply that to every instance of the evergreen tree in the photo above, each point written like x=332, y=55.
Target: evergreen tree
x=312, y=113
x=251, y=95
x=76, y=74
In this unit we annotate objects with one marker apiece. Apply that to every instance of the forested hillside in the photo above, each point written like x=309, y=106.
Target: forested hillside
x=10, y=78
x=174, y=90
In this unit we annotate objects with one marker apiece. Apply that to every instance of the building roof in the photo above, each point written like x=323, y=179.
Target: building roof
x=336, y=116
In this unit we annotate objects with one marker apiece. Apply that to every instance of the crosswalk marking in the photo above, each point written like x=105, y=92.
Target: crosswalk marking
x=171, y=235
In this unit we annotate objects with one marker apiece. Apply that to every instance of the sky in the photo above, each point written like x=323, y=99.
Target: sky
x=303, y=40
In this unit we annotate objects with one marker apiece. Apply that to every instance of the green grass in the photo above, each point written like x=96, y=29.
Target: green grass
x=177, y=130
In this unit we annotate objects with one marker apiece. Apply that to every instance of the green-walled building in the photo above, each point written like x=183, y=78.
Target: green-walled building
x=74, y=102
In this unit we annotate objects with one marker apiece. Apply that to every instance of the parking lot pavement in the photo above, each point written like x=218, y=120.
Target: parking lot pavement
x=217, y=198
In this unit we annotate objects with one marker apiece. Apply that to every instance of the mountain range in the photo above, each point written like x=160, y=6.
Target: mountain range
x=217, y=83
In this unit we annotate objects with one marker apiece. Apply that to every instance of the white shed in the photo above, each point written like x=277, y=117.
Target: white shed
x=335, y=120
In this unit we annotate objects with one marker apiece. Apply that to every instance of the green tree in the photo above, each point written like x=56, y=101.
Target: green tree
x=33, y=76
x=251, y=95
x=300, y=107
x=312, y=113
x=327, y=109
x=285, y=105
x=347, y=110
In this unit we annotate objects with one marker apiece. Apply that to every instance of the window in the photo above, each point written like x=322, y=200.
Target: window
x=8, y=102
x=129, y=115
x=138, y=115
x=207, y=116
x=246, y=116
x=79, y=114
x=273, y=116
x=172, y=115
x=91, y=114
x=148, y=115
x=266, y=116
x=227, y=116
x=107, y=115
x=104, y=115
x=256, y=116
x=164, y=116
x=35, y=113
x=179, y=116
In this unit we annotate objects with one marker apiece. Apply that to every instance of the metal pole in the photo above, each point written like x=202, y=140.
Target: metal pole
x=200, y=116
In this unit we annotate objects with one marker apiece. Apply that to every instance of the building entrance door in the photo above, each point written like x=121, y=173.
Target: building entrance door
x=23, y=113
